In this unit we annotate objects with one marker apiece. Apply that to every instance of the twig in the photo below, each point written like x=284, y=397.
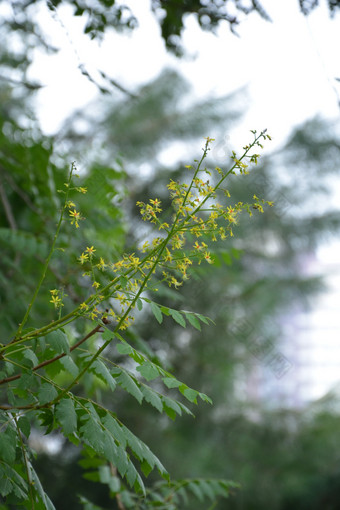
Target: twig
x=7, y=207
x=12, y=223
x=52, y=360
x=26, y=462
x=71, y=292
x=118, y=495
x=19, y=191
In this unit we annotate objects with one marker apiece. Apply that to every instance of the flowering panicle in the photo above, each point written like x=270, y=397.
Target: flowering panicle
x=202, y=214
x=57, y=297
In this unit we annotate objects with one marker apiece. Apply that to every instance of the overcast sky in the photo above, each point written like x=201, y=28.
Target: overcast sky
x=289, y=65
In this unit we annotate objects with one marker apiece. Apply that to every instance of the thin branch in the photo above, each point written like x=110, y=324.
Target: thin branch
x=52, y=360
x=118, y=496
x=73, y=295
x=47, y=262
x=26, y=463
x=12, y=223
x=7, y=207
x=19, y=191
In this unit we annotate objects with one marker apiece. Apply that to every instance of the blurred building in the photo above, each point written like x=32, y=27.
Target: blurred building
x=306, y=364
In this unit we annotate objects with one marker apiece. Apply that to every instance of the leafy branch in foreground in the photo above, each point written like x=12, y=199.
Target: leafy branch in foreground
x=41, y=368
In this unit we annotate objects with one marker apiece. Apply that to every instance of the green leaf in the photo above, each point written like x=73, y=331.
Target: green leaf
x=28, y=380
x=54, y=369
x=157, y=312
x=48, y=505
x=66, y=415
x=7, y=446
x=146, y=468
x=46, y=393
x=205, y=398
x=207, y=489
x=69, y=365
x=124, y=348
x=145, y=454
x=171, y=382
x=139, y=304
x=104, y=474
x=123, y=281
x=87, y=505
x=149, y=371
x=116, y=430
x=196, y=490
x=102, y=372
x=30, y=355
x=58, y=341
x=171, y=407
x=23, y=242
x=185, y=409
x=108, y=335
x=18, y=484
x=46, y=418
x=226, y=257
x=131, y=474
x=6, y=486
x=114, y=484
x=203, y=318
x=193, y=320
x=152, y=397
x=92, y=476
x=126, y=382
x=24, y=425
x=189, y=394
x=93, y=434
x=121, y=460
x=178, y=317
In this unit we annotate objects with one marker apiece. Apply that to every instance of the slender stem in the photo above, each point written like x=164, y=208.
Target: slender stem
x=161, y=249
x=199, y=207
x=22, y=447
x=52, y=360
x=42, y=277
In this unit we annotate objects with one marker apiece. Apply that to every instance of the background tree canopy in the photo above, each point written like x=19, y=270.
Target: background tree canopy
x=282, y=458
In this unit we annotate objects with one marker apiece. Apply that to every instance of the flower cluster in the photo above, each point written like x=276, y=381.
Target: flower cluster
x=202, y=215
x=74, y=215
x=57, y=298
x=201, y=211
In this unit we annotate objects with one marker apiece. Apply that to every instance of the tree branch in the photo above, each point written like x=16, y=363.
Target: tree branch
x=7, y=207
x=52, y=360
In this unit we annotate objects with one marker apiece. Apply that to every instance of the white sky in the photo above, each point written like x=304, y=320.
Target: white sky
x=289, y=66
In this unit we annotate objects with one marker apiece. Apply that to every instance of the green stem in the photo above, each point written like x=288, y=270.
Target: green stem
x=22, y=447
x=161, y=249
x=199, y=207
x=42, y=278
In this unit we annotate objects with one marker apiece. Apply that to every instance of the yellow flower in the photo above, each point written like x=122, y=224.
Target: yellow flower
x=168, y=256
x=56, y=301
x=101, y=264
x=90, y=250
x=94, y=313
x=175, y=282
x=75, y=215
x=83, y=258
